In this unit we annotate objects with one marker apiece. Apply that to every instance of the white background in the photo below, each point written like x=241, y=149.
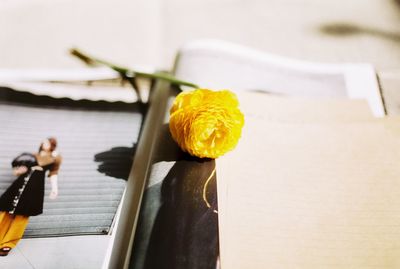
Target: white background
x=37, y=33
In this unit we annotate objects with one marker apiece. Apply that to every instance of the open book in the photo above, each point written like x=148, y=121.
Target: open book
x=159, y=217
x=110, y=211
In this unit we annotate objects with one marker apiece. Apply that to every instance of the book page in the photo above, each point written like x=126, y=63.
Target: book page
x=90, y=147
x=316, y=190
x=217, y=64
x=109, y=93
x=265, y=107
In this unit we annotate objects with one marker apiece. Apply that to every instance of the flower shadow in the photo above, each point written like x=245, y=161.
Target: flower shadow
x=175, y=224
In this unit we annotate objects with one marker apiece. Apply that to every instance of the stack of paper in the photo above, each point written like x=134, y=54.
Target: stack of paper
x=312, y=184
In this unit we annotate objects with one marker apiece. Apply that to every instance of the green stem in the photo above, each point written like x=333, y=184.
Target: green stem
x=92, y=61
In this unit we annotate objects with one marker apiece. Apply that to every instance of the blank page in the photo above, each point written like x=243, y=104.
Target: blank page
x=313, y=190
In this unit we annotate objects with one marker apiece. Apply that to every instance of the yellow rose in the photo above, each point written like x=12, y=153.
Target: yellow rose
x=206, y=123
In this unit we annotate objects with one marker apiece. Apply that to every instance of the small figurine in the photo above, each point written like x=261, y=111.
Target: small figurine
x=25, y=196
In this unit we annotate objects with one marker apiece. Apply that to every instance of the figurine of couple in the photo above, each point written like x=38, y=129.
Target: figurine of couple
x=24, y=198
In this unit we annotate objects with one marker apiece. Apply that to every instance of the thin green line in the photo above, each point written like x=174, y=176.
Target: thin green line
x=89, y=60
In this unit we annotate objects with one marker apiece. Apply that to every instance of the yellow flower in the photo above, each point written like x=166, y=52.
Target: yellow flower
x=206, y=123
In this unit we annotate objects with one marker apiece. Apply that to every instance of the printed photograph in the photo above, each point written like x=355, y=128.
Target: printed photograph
x=63, y=169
